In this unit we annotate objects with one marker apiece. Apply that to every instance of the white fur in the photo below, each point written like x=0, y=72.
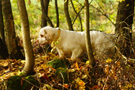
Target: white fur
x=73, y=43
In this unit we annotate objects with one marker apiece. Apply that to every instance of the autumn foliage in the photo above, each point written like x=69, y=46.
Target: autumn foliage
x=52, y=73
x=58, y=74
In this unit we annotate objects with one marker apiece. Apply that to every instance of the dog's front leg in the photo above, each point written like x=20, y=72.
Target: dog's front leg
x=61, y=53
x=76, y=53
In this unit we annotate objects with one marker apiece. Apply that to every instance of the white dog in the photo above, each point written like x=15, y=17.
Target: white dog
x=73, y=43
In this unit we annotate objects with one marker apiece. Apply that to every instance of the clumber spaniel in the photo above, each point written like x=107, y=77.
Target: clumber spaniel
x=73, y=43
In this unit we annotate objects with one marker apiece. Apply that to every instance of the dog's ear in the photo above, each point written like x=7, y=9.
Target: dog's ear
x=45, y=32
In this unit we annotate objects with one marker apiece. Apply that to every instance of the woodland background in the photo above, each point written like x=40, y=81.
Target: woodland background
x=110, y=16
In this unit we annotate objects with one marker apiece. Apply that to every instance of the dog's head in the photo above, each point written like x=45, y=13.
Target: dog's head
x=46, y=35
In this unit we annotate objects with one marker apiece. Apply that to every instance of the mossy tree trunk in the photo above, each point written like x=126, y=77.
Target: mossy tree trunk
x=10, y=36
x=87, y=36
x=29, y=56
x=124, y=23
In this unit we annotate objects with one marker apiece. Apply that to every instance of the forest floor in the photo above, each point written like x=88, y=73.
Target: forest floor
x=62, y=74
x=55, y=74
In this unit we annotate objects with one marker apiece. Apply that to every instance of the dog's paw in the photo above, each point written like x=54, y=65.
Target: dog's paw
x=61, y=57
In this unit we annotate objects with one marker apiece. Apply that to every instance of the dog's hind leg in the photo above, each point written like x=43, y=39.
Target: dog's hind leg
x=76, y=53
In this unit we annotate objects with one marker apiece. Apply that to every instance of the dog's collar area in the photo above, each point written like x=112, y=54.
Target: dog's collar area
x=59, y=31
x=56, y=41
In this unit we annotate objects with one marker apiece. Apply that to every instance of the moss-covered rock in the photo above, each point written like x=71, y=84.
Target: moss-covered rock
x=14, y=83
x=22, y=83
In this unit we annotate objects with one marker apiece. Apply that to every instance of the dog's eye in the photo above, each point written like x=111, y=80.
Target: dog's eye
x=42, y=35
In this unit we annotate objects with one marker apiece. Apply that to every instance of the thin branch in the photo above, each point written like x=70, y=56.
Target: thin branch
x=63, y=80
x=97, y=10
x=29, y=82
x=78, y=15
x=103, y=14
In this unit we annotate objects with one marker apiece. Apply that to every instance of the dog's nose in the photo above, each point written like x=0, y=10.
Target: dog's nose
x=37, y=41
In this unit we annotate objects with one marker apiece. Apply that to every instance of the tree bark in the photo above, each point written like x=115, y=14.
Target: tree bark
x=1, y=23
x=124, y=23
x=44, y=7
x=57, y=13
x=3, y=50
x=67, y=15
x=87, y=36
x=29, y=56
x=11, y=41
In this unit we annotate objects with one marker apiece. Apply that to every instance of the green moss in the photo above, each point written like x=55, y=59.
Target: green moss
x=61, y=66
x=63, y=63
x=62, y=74
x=13, y=83
x=22, y=83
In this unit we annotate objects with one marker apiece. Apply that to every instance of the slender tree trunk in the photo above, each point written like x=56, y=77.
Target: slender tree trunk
x=67, y=15
x=10, y=36
x=29, y=56
x=57, y=13
x=1, y=23
x=124, y=23
x=88, y=41
x=44, y=6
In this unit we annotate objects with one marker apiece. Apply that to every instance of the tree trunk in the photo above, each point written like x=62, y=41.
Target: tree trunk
x=124, y=23
x=44, y=7
x=3, y=48
x=10, y=37
x=87, y=36
x=67, y=15
x=57, y=13
x=29, y=56
x=1, y=23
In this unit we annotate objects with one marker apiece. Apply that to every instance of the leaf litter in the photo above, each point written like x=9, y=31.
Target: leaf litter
x=58, y=74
